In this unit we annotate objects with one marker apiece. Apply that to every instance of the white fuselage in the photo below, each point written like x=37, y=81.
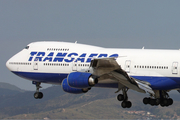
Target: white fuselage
x=51, y=62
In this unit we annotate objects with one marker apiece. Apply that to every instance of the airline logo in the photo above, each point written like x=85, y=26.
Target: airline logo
x=66, y=57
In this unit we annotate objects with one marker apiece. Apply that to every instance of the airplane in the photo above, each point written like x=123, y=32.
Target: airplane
x=80, y=67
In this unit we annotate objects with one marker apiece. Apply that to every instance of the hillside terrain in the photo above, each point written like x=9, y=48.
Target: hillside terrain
x=98, y=103
x=8, y=89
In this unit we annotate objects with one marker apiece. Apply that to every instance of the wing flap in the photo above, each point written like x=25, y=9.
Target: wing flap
x=145, y=87
x=102, y=66
x=123, y=80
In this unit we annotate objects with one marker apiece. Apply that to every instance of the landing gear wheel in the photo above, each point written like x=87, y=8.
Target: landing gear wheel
x=157, y=101
x=161, y=98
x=123, y=104
x=120, y=97
x=170, y=101
x=124, y=98
x=165, y=99
x=166, y=102
x=162, y=104
x=152, y=102
x=38, y=95
x=129, y=104
x=126, y=104
x=146, y=101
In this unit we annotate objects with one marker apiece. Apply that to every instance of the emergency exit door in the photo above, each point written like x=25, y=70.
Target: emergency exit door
x=35, y=64
x=127, y=66
x=175, y=68
x=74, y=66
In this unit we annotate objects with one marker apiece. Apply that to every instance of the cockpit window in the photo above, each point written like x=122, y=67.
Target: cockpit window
x=27, y=47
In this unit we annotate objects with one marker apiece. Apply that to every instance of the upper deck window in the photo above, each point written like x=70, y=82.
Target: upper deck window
x=27, y=47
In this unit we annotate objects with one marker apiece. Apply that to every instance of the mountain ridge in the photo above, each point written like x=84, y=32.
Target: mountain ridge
x=98, y=103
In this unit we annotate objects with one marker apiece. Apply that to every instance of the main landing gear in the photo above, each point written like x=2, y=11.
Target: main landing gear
x=124, y=98
x=161, y=99
x=37, y=94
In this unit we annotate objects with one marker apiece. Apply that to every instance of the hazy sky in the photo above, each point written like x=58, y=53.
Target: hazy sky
x=106, y=23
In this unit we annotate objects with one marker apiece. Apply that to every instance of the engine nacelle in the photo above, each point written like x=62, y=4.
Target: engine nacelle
x=81, y=80
x=67, y=88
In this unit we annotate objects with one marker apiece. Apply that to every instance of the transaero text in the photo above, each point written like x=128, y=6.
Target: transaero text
x=66, y=57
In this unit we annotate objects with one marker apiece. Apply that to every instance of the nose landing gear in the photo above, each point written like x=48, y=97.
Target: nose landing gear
x=37, y=94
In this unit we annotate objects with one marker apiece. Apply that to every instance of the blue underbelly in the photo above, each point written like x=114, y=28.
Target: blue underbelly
x=161, y=83
x=157, y=83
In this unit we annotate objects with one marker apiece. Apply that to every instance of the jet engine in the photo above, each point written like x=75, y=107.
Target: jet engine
x=81, y=80
x=67, y=88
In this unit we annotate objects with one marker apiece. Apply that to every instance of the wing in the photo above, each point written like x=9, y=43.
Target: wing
x=110, y=68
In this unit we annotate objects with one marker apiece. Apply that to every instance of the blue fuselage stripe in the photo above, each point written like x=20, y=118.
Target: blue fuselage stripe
x=159, y=83
x=54, y=78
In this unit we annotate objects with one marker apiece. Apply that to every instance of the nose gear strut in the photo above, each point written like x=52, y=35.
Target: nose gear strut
x=37, y=94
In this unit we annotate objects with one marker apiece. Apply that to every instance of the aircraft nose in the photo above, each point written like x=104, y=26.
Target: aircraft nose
x=8, y=65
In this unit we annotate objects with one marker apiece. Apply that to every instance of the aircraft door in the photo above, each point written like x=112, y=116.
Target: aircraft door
x=127, y=66
x=175, y=68
x=35, y=65
x=74, y=66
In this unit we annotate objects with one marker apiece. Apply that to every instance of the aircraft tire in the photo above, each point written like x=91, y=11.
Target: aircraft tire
x=162, y=104
x=166, y=102
x=157, y=101
x=124, y=104
x=170, y=101
x=36, y=95
x=146, y=101
x=128, y=104
x=120, y=97
x=152, y=102
x=40, y=95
